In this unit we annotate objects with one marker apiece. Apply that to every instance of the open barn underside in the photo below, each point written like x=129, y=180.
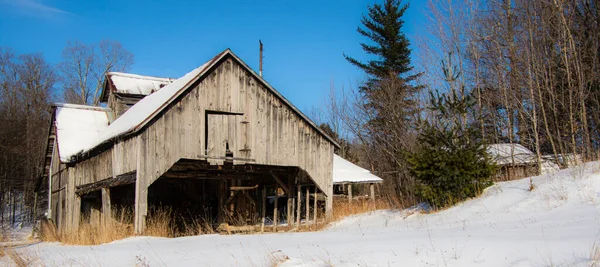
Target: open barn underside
x=224, y=197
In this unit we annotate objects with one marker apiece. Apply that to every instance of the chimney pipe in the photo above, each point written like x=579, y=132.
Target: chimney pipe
x=260, y=58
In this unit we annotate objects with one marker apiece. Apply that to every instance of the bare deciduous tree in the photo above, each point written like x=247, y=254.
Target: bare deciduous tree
x=83, y=67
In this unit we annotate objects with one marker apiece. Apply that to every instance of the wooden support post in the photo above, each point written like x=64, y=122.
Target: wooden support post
x=275, y=212
x=372, y=187
x=263, y=209
x=288, y=218
x=77, y=213
x=106, y=208
x=315, y=205
x=292, y=212
x=299, y=197
x=221, y=203
x=349, y=192
x=307, y=204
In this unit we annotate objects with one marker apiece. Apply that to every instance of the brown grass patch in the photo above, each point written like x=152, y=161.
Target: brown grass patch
x=160, y=223
x=107, y=231
x=343, y=208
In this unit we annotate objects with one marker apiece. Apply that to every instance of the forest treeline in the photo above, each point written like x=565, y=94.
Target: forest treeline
x=28, y=85
x=531, y=66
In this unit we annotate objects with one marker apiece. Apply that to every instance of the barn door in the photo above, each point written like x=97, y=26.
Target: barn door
x=223, y=136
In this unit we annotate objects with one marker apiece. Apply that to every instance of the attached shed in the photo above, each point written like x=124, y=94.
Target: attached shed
x=219, y=141
x=347, y=175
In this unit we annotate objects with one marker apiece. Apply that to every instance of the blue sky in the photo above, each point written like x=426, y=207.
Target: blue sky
x=304, y=40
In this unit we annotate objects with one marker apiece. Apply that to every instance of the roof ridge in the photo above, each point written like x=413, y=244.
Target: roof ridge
x=139, y=76
x=78, y=106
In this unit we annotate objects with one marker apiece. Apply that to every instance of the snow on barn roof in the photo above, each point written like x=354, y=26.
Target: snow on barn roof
x=76, y=126
x=148, y=107
x=503, y=154
x=127, y=83
x=347, y=172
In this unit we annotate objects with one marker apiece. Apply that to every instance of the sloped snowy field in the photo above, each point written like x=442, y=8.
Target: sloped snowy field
x=557, y=224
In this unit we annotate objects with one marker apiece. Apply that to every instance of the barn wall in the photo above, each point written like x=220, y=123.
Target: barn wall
x=268, y=132
x=94, y=169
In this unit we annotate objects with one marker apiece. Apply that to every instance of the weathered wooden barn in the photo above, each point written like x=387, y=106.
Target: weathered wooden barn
x=219, y=142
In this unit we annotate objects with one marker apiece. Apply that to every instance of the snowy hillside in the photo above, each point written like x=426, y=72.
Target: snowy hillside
x=557, y=224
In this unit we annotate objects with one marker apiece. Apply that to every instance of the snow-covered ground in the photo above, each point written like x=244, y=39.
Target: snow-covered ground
x=557, y=224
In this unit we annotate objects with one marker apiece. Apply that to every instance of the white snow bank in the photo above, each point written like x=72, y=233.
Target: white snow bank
x=78, y=126
x=127, y=83
x=554, y=225
x=347, y=172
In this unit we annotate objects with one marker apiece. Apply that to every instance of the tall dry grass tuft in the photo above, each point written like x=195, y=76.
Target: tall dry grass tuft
x=118, y=227
x=343, y=208
x=160, y=223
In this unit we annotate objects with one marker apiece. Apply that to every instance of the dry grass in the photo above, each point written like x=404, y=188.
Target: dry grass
x=107, y=231
x=343, y=208
x=160, y=223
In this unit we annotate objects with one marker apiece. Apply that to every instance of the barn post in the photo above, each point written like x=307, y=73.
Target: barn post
x=106, y=208
x=141, y=204
x=349, y=192
x=77, y=213
x=307, y=204
x=263, y=209
x=275, y=212
x=293, y=212
x=372, y=189
x=141, y=186
x=288, y=219
x=299, y=197
x=315, y=205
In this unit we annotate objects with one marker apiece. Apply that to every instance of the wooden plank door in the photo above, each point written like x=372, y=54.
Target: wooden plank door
x=223, y=132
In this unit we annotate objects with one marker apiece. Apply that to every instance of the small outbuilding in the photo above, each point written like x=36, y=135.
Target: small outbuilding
x=514, y=160
x=347, y=175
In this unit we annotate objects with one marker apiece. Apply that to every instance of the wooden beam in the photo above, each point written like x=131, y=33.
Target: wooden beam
x=298, y=205
x=285, y=188
x=292, y=212
x=349, y=192
x=307, y=205
x=263, y=209
x=275, y=213
x=315, y=205
x=123, y=179
x=372, y=189
x=234, y=188
x=289, y=211
x=106, y=205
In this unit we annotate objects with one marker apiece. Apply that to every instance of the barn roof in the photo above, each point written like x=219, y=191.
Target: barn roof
x=503, y=154
x=140, y=114
x=132, y=84
x=77, y=126
x=347, y=172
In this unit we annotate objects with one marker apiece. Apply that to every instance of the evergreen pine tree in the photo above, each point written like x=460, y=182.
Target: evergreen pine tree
x=389, y=93
x=451, y=162
x=383, y=26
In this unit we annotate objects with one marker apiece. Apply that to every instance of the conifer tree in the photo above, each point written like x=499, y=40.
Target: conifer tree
x=388, y=95
x=451, y=163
